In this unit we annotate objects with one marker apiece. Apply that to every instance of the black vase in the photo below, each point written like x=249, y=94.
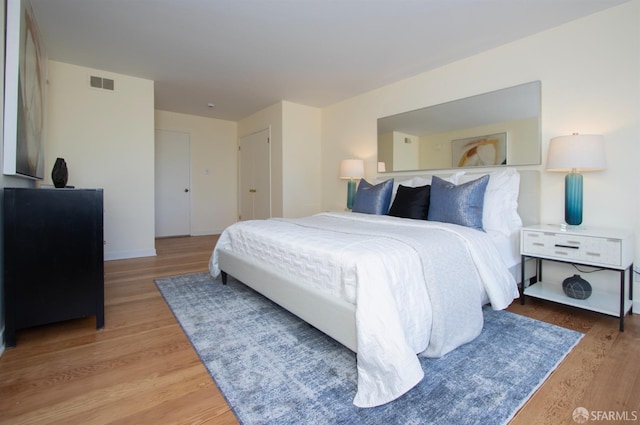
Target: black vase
x=59, y=174
x=576, y=287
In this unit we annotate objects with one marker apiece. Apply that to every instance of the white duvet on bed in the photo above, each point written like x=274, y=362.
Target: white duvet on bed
x=417, y=285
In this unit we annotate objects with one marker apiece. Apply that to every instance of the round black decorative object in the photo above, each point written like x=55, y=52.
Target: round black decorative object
x=59, y=174
x=576, y=287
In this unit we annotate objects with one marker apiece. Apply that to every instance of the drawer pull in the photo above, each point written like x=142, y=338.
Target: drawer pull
x=566, y=246
x=574, y=242
x=538, y=244
x=561, y=253
x=593, y=254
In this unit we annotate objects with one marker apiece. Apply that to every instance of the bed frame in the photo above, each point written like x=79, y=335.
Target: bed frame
x=331, y=315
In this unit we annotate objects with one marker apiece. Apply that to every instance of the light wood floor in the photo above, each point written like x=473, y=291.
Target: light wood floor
x=141, y=369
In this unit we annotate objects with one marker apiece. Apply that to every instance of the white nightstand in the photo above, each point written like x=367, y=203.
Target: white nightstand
x=610, y=249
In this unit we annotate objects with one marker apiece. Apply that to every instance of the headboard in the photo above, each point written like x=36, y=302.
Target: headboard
x=528, y=196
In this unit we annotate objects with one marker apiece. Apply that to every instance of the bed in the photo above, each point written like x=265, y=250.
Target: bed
x=370, y=282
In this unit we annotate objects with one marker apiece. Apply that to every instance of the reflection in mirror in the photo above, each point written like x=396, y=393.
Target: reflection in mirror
x=491, y=129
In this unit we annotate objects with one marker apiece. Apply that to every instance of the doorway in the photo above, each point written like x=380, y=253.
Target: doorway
x=172, y=183
x=254, y=163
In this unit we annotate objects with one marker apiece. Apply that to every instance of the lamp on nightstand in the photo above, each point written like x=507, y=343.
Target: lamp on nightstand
x=351, y=169
x=575, y=153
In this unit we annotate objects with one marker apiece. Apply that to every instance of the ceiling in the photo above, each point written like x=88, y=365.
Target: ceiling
x=245, y=55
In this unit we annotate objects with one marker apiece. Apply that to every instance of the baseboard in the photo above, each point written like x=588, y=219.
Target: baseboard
x=206, y=233
x=123, y=255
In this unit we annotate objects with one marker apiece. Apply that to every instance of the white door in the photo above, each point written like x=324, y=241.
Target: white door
x=255, y=176
x=172, y=181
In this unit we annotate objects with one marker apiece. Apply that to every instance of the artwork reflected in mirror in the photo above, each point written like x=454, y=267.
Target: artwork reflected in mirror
x=489, y=150
x=488, y=130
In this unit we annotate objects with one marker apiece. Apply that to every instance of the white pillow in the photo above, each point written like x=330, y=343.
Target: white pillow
x=425, y=180
x=500, y=211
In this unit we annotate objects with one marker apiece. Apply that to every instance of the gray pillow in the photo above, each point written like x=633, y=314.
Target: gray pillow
x=462, y=204
x=372, y=199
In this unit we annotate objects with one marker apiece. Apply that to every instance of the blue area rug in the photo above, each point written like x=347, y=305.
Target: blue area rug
x=273, y=368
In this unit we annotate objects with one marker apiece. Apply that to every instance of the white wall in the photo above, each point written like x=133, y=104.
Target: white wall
x=301, y=153
x=214, y=149
x=590, y=74
x=295, y=156
x=107, y=140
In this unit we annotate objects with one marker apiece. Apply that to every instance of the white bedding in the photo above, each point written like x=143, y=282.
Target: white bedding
x=417, y=286
x=508, y=247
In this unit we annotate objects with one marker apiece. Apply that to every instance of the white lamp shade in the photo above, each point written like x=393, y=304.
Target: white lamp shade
x=351, y=169
x=583, y=152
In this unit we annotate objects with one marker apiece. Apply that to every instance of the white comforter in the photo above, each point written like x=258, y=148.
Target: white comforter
x=417, y=285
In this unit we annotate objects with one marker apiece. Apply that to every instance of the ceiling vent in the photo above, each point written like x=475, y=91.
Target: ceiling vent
x=101, y=83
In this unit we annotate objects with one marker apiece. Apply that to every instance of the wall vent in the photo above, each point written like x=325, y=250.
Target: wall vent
x=101, y=83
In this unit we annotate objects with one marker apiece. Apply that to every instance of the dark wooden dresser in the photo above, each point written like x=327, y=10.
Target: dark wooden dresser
x=53, y=257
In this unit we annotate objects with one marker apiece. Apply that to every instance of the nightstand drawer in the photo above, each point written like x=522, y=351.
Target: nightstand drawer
x=571, y=247
x=534, y=243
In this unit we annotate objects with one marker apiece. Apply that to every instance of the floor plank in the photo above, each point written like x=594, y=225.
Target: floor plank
x=141, y=368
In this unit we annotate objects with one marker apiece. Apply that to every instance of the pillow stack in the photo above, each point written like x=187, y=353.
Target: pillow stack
x=482, y=201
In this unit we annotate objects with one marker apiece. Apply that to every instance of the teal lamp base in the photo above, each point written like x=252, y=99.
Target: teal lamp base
x=351, y=193
x=573, y=199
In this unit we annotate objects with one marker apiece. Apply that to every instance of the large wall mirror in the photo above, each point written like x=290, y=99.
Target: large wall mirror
x=491, y=129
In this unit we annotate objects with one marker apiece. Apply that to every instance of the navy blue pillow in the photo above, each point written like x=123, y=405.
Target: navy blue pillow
x=411, y=202
x=462, y=204
x=372, y=199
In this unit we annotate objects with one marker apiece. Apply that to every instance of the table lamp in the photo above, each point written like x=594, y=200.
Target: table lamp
x=575, y=153
x=351, y=169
